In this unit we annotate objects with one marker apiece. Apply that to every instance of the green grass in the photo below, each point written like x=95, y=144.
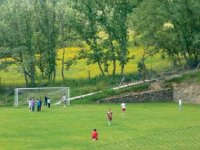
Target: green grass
x=109, y=92
x=151, y=126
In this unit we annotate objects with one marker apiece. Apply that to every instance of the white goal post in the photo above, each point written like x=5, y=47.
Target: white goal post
x=54, y=93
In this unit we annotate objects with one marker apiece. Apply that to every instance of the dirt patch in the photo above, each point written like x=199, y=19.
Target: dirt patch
x=155, y=86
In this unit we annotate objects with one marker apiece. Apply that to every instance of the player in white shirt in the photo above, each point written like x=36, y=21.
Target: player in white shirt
x=64, y=99
x=123, y=105
x=29, y=104
x=180, y=104
x=49, y=102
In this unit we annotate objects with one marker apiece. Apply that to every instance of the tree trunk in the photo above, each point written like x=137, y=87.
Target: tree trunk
x=114, y=67
x=123, y=57
x=32, y=74
x=54, y=75
x=63, y=46
x=25, y=76
x=178, y=58
x=102, y=72
x=113, y=56
x=63, y=63
x=122, y=69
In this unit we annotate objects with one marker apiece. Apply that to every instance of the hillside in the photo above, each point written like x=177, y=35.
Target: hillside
x=187, y=90
x=184, y=85
x=80, y=69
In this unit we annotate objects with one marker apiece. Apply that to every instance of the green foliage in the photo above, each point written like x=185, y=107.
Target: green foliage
x=171, y=26
x=27, y=33
x=32, y=30
x=110, y=18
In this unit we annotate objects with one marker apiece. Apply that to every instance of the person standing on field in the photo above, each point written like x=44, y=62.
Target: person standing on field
x=40, y=108
x=38, y=104
x=180, y=104
x=123, y=106
x=45, y=100
x=109, y=116
x=29, y=104
x=49, y=102
x=94, y=135
x=32, y=105
x=64, y=98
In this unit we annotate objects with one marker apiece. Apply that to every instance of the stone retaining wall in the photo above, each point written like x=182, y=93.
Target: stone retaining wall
x=164, y=95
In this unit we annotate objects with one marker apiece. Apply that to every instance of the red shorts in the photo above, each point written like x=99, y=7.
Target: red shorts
x=123, y=109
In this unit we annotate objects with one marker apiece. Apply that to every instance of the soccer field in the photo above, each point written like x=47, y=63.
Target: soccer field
x=146, y=126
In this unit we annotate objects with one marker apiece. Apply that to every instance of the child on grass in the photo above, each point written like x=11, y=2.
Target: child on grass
x=94, y=135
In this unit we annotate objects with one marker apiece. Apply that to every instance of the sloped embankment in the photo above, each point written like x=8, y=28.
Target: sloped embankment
x=162, y=95
x=189, y=92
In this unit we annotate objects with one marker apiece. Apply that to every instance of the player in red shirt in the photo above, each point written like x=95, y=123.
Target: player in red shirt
x=94, y=135
x=109, y=115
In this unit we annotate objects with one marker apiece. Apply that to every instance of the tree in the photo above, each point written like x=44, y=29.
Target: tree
x=106, y=20
x=184, y=16
x=61, y=13
x=111, y=19
x=122, y=9
x=171, y=26
x=47, y=29
x=67, y=36
x=29, y=35
x=18, y=35
x=86, y=25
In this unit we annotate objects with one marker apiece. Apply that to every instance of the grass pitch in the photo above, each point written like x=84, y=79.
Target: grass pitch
x=147, y=126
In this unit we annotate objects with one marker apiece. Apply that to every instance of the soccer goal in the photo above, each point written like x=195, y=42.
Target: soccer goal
x=22, y=95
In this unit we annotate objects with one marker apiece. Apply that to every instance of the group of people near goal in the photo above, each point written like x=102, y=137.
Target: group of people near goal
x=47, y=102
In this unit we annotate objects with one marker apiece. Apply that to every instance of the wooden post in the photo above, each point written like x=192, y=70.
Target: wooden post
x=89, y=76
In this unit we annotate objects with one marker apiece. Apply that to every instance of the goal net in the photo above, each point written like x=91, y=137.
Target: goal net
x=55, y=94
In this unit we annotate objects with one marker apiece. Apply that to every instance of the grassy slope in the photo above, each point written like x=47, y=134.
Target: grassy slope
x=80, y=70
x=144, y=126
x=193, y=76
